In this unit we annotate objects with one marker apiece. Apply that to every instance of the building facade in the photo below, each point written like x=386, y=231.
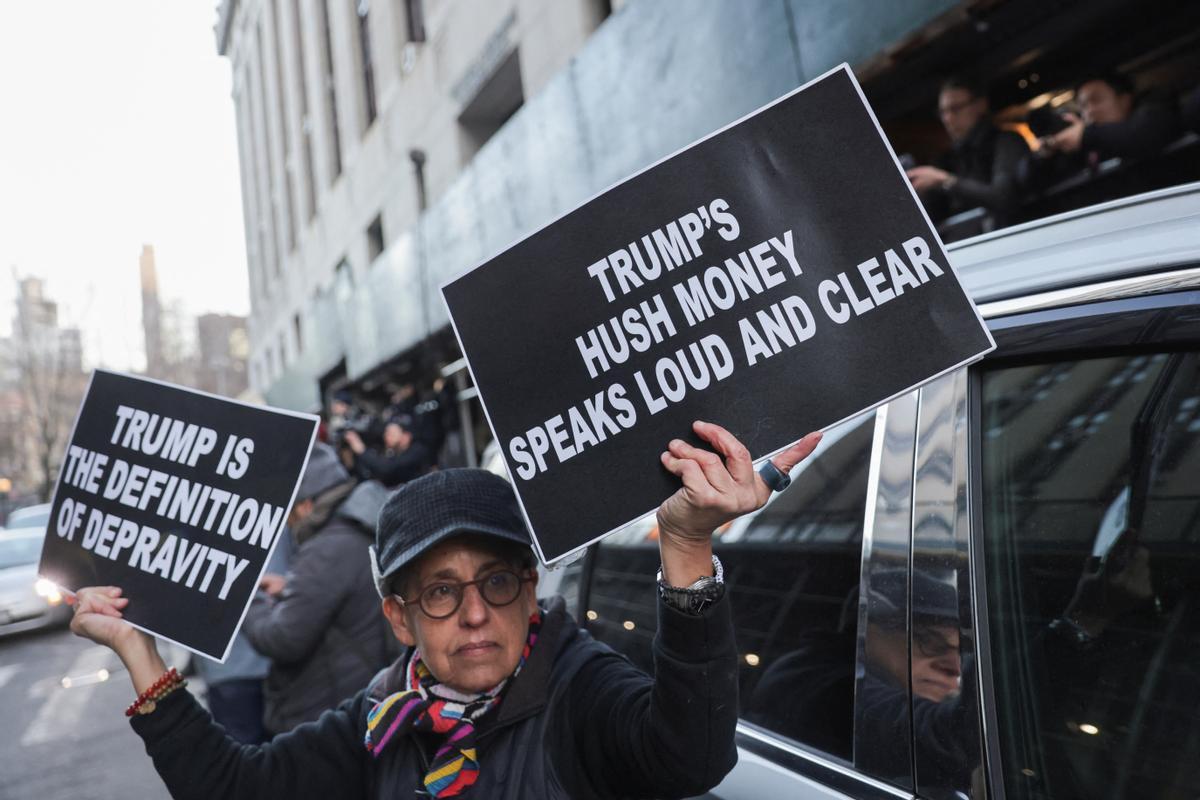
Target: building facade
x=222, y=347
x=41, y=385
x=389, y=145
x=151, y=314
x=353, y=117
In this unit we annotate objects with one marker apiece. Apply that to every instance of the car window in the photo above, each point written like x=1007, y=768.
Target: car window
x=1091, y=524
x=34, y=517
x=792, y=572
x=18, y=551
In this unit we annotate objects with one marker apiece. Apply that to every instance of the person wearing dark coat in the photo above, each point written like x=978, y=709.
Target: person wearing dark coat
x=403, y=458
x=319, y=625
x=1113, y=122
x=496, y=695
x=981, y=167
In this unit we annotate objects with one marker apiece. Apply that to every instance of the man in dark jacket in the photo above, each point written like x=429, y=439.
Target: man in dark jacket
x=320, y=628
x=980, y=170
x=568, y=717
x=1112, y=122
x=404, y=457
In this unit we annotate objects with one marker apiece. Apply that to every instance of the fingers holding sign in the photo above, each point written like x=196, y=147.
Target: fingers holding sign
x=718, y=487
x=98, y=614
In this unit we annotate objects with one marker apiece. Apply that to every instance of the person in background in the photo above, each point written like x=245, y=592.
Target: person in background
x=318, y=624
x=1112, y=122
x=980, y=169
x=235, y=688
x=403, y=457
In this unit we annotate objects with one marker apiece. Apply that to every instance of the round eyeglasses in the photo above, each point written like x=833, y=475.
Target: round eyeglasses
x=442, y=599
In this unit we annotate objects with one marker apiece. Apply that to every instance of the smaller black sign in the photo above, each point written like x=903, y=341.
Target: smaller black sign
x=178, y=497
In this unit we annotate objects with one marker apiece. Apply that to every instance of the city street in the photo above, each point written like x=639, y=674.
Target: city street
x=67, y=735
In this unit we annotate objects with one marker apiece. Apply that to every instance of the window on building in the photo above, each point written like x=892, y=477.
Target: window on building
x=285, y=130
x=418, y=161
x=298, y=329
x=272, y=173
x=496, y=101
x=414, y=16
x=254, y=256
x=343, y=281
x=331, y=114
x=264, y=206
x=362, y=9
x=1091, y=523
x=300, y=61
x=793, y=571
x=375, y=242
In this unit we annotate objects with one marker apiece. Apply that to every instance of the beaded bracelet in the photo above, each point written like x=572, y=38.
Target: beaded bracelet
x=148, y=700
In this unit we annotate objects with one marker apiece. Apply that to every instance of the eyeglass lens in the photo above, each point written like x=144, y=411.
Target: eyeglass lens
x=440, y=600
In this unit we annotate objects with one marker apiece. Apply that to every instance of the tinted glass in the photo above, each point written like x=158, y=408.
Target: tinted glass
x=1091, y=512
x=792, y=573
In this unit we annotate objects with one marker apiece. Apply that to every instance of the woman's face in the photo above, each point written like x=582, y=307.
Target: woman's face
x=478, y=645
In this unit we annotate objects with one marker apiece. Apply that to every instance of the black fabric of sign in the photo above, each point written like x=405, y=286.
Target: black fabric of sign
x=178, y=498
x=806, y=189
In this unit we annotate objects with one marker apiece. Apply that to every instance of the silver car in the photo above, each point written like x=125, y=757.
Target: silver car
x=27, y=602
x=988, y=588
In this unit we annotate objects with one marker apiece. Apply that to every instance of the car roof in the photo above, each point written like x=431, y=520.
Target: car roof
x=30, y=511
x=1146, y=234
x=21, y=533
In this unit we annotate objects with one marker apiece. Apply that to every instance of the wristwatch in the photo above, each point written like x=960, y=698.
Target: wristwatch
x=698, y=596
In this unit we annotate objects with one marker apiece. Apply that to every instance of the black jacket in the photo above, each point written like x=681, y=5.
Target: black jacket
x=579, y=721
x=986, y=164
x=392, y=469
x=325, y=635
x=1151, y=127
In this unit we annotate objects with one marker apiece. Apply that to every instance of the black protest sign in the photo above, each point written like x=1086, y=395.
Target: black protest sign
x=776, y=277
x=178, y=497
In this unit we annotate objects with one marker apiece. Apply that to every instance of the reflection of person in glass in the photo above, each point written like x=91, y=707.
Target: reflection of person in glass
x=943, y=696
x=935, y=662
x=809, y=694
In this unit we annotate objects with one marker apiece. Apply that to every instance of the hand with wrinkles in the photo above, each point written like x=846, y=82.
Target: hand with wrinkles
x=717, y=488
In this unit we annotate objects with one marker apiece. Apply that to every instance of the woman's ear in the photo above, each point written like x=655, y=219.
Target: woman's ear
x=398, y=619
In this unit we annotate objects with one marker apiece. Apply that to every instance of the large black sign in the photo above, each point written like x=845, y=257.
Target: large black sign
x=776, y=277
x=178, y=497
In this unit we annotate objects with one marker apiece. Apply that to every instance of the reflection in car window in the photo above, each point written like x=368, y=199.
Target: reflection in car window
x=792, y=571
x=1091, y=512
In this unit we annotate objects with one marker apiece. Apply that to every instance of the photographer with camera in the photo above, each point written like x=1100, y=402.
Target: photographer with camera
x=1112, y=122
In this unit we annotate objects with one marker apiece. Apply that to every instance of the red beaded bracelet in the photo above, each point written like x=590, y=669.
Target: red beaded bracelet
x=168, y=682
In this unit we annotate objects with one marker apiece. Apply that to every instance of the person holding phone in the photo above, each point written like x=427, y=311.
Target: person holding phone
x=980, y=169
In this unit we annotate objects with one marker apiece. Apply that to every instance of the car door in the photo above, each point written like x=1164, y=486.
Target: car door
x=794, y=572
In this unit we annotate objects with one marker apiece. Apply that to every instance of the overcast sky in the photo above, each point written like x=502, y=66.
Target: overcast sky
x=117, y=130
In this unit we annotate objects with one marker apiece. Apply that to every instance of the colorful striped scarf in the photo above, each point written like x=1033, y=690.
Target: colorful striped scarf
x=426, y=705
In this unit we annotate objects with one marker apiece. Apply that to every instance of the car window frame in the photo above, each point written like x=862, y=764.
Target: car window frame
x=1029, y=332
x=796, y=757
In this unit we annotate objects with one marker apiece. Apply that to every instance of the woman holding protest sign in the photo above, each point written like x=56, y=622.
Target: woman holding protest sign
x=495, y=691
